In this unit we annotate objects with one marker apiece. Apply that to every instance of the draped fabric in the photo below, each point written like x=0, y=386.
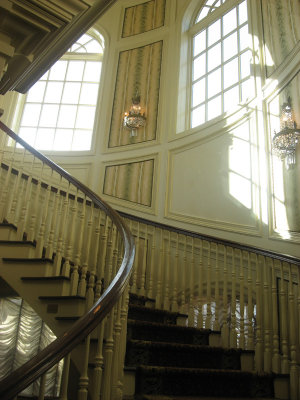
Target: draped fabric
x=22, y=335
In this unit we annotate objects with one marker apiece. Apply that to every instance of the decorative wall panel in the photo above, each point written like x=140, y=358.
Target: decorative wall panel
x=143, y=17
x=281, y=30
x=138, y=70
x=131, y=181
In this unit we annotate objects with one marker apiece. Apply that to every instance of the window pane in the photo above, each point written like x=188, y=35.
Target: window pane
x=85, y=117
x=198, y=92
x=28, y=134
x=31, y=115
x=198, y=116
x=44, y=138
x=203, y=14
x=230, y=46
x=67, y=116
x=229, y=22
x=214, y=83
x=82, y=140
x=214, y=108
x=199, y=66
x=58, y=71
x=75, y=70
x=214, y=57
x=231, y=73
x=89, y=93
x=231, y=98
x=247, y=90
x=63, y=139
x=93, y=47
x=214, y=32
x=92, y=71
x=49, y=115
x=71, y=93
x=245, y=64
x=53, y=92
x=244, y=38
x=243, y=14
x=36, y=93
x=200, y=42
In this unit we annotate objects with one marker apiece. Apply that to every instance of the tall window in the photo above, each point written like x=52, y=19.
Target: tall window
x=59, y=110
x=221, y=74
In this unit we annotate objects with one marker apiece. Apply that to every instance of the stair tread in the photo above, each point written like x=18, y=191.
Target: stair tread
x=27, y=260
x=155, y=310
x=20, y=242
x=153, y=397
x=61, y=297
x=168, y=326
x=45, y=278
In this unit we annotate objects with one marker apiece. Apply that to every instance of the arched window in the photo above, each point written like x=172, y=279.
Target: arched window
x=221, y=56
x=59, y=110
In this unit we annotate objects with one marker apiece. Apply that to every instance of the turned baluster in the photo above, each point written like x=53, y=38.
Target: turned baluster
x=42, y=388
x=34, y=209
x=152, y=262
x=183, y=277
x=250, y=342
x=117, y=349
x=191, y=313
x=208, y=324
x=292, y=312
x=224, y=324
x=275, y=338
x=159, y=271
x=167, y=274
x=69, y=253
x=216, y=324
x=56, y=209
x=83, y=382
x=242, y=303
x=200, y=287
x=259, y=332
x=266, y=319
x=44, y=216
x=283, y=323
x=65, y=378
x=174, y=305
x=144, y=264
x=233, y=328
x=136, y=260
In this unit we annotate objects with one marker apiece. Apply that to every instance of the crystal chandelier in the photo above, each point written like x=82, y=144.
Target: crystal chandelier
x=285, y=141
x=134, y=119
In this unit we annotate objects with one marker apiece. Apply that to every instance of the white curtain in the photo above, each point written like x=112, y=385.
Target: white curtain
x=22, y=335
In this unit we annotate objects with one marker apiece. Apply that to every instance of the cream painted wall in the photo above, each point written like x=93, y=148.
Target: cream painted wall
x=215, y=179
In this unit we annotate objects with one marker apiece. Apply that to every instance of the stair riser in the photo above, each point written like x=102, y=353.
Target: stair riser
x=64, y=308
x=52, y=288
x=12, y=271
x=161, y=334
x=16, y=251
x=7, y=233
x=182, y=357
x=151, y=316
x=205, y=384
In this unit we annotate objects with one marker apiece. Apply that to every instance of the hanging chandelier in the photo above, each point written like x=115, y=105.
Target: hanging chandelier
x=134, y=118
x=285, y=141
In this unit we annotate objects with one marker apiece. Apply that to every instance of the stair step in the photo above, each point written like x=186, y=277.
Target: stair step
x=181, y=355
x=154, y=315
x=7, y=231
x=49, y=285
x=138, y=300
x=19, y=248
x=158, y=332
x=202, y=382
x=150, y=397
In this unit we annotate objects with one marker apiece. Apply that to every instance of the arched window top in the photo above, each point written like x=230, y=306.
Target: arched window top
x=88, y=44
x=209, y=7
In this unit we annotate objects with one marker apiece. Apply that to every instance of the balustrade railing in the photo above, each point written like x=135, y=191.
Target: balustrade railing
x=87, y=243
x=252, y=296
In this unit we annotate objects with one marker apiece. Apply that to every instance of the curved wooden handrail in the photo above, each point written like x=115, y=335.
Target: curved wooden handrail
x=224, y=242
x=37, y=366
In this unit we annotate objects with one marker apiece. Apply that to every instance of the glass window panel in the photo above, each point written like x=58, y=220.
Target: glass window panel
x=229, y=22
x=44, y=138
x=28, y=134
x=53, y=92
x=231, y=73
x=203, y=14
x=230, y=47
x=245, y=64
x=214, y=108
x=63, y=139
x=58, y=71
x=244, y=38
x=93, y=47
x=198, y=116
x=89, y=93
x=243, y=14
x=231, y=98
x=75, y=70
x=214, y=32
x=199, y=66
x=31, y=115
x=247, y=90
x=92, y=71
x=214, y=57
x=214, y=83
x=67, y=116
x=82, y=140
x=36, y=93
x=49, y=115
x=199, y=42
x=71, y=93
x=198, y=92
x=85, y=117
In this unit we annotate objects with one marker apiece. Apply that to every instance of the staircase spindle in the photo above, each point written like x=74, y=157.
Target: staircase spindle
x=200, y=287
x=191, y=312
x=292, y=313
x=259, y=331
x=174, y=299
x=275, y=326
x=159, y=271
x=250, y=332
x=167, y=273
x=144, y=264
x=233, y=327
x=216, y=324
x=224, y=324
x=242, y=302
x=266, y=318
x=284, y=322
